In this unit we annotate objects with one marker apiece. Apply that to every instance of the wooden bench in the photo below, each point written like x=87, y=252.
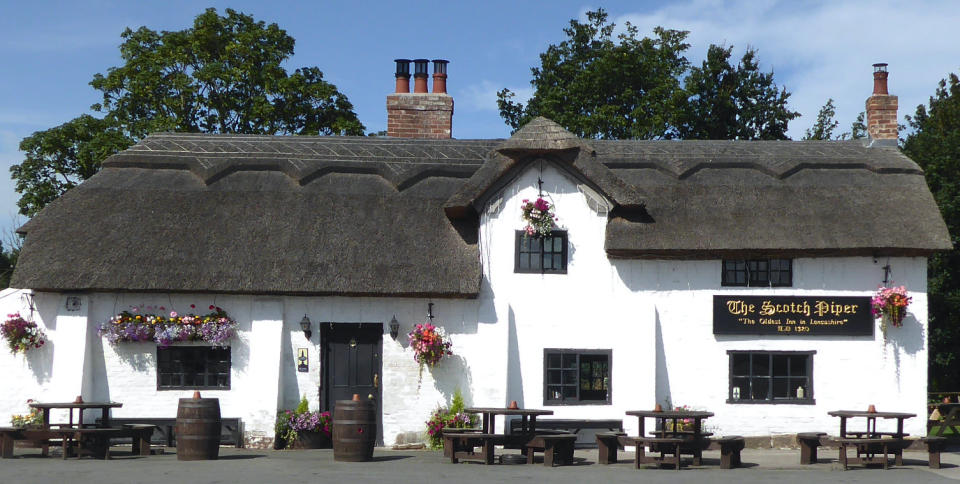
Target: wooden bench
x=463, y=446
x=868, y=451
x=231, y=430
x=141, y=435
x=809, y=441
x=555, y=447
x=448, y=444
x=935, y=445
x=661, y=445
x=608, y=443
x=730, y=447
x=584, y=429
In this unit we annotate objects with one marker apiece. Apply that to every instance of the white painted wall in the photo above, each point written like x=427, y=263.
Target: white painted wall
x=655, y=317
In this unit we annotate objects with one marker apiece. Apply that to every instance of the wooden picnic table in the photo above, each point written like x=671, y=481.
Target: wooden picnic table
x=669, y=427
x=872, y=445
x=527, y=439
x=81, y=406
x=528, y=417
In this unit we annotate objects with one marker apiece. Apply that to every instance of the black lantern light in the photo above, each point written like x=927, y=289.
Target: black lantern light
x=305, y=326
x=394, y=327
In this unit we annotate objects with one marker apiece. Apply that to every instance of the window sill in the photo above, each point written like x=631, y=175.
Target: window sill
x=784, y=401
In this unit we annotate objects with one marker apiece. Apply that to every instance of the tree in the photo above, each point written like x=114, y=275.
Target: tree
x=223, y=75
x=823, y=128
x=597, y=87
x=935, y=146
x=728, y=102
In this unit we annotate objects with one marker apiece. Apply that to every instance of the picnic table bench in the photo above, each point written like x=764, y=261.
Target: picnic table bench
x=463, y=446
x=555, y=447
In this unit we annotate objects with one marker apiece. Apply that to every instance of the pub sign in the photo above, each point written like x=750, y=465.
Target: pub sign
x=792, y=315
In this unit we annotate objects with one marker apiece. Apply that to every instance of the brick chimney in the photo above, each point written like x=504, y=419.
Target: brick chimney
x=420, y=114
x=881, y=108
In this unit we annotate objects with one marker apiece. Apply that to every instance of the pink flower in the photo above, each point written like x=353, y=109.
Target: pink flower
x=173, y=314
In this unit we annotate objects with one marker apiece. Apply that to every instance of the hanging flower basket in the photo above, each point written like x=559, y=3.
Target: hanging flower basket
x=22, y=335
x=430, y=344
x=890, y=305
x=539, y=217
x=214, y=327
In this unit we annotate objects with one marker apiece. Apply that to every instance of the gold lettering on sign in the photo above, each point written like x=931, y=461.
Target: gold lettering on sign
x=740, y=307
x=833, y=309
x=769, y=309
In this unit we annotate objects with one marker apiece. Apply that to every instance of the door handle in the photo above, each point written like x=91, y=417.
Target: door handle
x=376, y=380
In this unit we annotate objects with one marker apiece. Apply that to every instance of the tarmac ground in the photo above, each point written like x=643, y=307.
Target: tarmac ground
x=237, y=466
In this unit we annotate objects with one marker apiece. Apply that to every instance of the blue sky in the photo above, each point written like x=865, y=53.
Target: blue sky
x=49, y=51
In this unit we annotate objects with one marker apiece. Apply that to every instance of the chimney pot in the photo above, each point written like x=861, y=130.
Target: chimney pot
x=440, y=76
x=420, y=76
x=403, y=75
x=880, y=78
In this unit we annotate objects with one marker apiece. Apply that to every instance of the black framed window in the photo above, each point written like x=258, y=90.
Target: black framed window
x=541, y=254
x=576, y=377
x=771, y=377
x=757, y=272
x=193, y=367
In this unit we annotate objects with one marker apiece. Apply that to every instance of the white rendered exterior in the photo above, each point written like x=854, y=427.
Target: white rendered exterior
x=654, y=315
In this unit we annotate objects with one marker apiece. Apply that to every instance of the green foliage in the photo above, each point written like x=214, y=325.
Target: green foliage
x=600, y=87
x=303, y=406
x=858, y=129
x=734, y=102
x=223, y=75
x=629, y=87
x=935, y=146
x=823, y=128
x=8, y=260
x=453, y=416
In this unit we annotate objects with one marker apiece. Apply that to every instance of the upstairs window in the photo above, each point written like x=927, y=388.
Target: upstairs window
x=757, y=272
x=543, y=255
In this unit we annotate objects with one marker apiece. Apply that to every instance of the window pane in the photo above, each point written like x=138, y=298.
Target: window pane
x=569, y=360
x=553, y=377
x=558, y=244
x=780, y=365
x=548, y=262
x=799, y=383
x=798, y=365
x=761, y=364
x=741, y=364
x=534, y=244
x=760, y=388
x=569, y=392
x=570, y=377
x=535, y=261
x=557, y=261
x=780, y=388
x=553, y=360
x=554, y=393
x=740, y=388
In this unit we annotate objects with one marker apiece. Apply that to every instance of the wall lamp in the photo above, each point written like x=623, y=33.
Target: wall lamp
x=305, y=326
x=394, y=327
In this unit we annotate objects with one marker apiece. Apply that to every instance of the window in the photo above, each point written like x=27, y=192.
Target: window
x=771, y=377
x=193, y=367
x=541, y=255
x=757, y=272
x=573, y=377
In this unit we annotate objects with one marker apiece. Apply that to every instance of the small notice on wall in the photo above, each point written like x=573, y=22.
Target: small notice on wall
x=303, y=361
x=792, y=315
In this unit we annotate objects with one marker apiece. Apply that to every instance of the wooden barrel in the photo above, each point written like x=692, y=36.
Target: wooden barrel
x=198, y=429
x=354, y=430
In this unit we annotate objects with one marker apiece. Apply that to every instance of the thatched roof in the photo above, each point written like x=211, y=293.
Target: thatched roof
x=383, y=216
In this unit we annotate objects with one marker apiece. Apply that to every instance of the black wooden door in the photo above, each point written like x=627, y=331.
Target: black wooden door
x=351, y=364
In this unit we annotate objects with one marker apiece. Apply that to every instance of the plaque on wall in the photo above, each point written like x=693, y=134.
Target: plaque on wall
x=792, y=315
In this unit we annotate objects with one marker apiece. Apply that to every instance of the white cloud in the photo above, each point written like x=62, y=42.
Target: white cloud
x=820, y=50
x=482, y=96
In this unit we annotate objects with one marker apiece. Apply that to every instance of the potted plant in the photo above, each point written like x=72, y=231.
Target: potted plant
x=539, y=217
x=34, y=418
x=890, y=305
x=22, y=335
x=303, y=429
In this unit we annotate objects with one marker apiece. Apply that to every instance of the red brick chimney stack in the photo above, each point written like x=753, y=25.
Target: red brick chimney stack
x=420, y=114
x=881, y=108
